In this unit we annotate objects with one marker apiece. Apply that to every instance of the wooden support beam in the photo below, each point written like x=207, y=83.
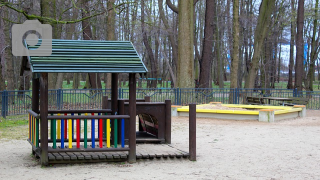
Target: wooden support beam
x=168, y=121
x=114, y=93
x=132, y=113
x=192, y=132
x=43, y=118
x=114, y=99
x=35, y=94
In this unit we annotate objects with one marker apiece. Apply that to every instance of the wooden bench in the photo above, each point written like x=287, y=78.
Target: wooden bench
x=297, y=101
x=255, y=100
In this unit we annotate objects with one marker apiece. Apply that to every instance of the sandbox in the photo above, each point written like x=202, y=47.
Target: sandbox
x=261, y=113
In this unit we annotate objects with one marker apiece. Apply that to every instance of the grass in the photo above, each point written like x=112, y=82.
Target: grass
x=14, y=127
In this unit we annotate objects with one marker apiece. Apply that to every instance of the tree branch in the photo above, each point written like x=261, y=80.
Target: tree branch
x=172, y=7
x=51, y=20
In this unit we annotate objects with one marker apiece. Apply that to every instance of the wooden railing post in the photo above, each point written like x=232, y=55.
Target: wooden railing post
x=192, y=132
x=104, y=106
x=43, y=118
x=168, y=121
x=132, y=113
x=147, y=99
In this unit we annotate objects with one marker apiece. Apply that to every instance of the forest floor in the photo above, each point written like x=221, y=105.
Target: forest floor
x=226, y=149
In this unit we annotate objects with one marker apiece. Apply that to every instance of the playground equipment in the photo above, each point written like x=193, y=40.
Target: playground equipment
x=107, y=134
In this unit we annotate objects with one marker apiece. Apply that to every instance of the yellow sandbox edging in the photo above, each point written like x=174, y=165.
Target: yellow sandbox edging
x=283, y=109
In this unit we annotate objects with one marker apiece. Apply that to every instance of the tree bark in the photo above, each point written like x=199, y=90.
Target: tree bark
x=110, y=35
x=300, y=47
x=206, y=58
x=264, y=19
x=185, y=76
x=148, y=48
x=314, y=50
x=94, y=81
x=235, y=52
x=292, y=42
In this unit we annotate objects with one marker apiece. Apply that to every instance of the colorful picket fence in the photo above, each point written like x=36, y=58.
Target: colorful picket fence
x=34, y=130
x=73, y=133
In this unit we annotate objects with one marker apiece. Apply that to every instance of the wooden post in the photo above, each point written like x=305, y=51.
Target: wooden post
x=147, y=99
x=168, y=121
x=132, y=113
x=104, y=106
x=121, y=112
x=114, y=98
x=114, y=93
x=43, y=118
x=35, y=94
x=35, y=98
x=192, y=132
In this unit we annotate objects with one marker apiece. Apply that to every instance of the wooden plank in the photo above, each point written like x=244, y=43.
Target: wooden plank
x=72, y=156
x=108, y=155
x=78, y=155
x=51, y=157
x=86, y=155
x=57, y=156
x=101, y=155
x=65, y=156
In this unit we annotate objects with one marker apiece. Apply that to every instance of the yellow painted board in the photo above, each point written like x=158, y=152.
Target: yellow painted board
x=70, y=133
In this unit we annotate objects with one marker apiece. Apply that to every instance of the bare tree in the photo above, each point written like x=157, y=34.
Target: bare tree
x=300, y=47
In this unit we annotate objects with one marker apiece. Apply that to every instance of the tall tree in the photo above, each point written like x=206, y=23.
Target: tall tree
x=300, y=47
x=148, y=47
x=292, y=42
x=264, y=20
x=235, y=52
x=93, y=79
x=110, y=35
x=185, y=78
x=206, y=58
x=2, y=48
x=314, y=50
x=172, y=40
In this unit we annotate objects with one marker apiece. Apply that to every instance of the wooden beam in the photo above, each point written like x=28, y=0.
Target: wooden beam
x=43, y=118
x=114, y=93
x=132, y=113
x=35, y=94
x=114, y=99
x=168, y=122
x=192, y=132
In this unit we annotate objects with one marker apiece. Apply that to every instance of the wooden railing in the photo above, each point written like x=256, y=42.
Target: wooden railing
x=81, y=131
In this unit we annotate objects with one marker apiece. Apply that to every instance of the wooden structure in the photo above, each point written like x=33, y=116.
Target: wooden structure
x=82, y=56
x=62, y=136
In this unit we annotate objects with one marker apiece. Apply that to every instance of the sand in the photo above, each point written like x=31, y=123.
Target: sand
x=226, y=149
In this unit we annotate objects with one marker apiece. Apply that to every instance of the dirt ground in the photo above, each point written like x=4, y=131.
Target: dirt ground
x=226, y=149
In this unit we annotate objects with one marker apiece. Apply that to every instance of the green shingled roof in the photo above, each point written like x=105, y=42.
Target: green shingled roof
x=77, y=56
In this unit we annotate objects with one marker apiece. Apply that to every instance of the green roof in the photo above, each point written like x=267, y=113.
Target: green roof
x=77, y=56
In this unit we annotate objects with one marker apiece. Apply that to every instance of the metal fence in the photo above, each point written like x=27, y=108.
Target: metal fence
x=18, y=102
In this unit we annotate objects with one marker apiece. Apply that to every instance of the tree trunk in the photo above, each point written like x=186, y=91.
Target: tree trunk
x=185, y=76
x=110, y=35
x=264, y=18
x=148, y=47
x=94, y=78
x=2, y=46
x=235, y=52
x=206, y=58
x=299, y=72
x=314, y=50
x=292, y=42
x=170, y=36
x=48, y=9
